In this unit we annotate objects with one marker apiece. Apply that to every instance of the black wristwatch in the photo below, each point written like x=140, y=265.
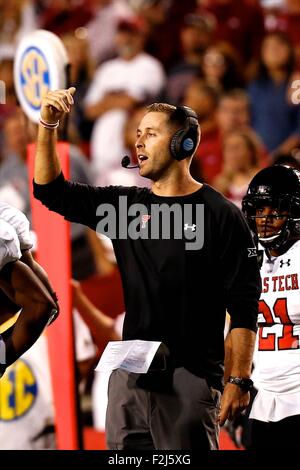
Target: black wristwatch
x=245, y=384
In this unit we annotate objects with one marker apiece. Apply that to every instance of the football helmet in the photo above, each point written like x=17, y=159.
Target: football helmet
x=277, y=187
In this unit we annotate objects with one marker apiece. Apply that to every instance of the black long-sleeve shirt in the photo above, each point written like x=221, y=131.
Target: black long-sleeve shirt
x=173, y=294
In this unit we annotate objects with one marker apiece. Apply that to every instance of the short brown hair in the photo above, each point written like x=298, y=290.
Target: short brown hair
x=161, y=108
x=176, y=119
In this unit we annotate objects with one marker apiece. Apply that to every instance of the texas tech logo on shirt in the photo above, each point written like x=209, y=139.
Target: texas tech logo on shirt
x=281, y=283
x=145, y=219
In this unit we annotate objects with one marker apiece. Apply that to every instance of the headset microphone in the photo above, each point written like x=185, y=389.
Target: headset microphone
x=126, y=162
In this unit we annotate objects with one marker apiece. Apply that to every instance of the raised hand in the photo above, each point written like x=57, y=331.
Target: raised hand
x=55, y=104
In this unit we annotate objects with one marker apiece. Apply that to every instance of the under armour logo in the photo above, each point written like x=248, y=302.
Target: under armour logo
x=190, y=227
x=145, y=218
x=288, y=262
x=252, y=252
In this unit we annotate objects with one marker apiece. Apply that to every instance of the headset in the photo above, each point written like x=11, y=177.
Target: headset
x=184, y=142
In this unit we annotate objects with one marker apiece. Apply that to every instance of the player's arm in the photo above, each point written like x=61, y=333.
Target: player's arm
x=39, y=271
x=101, y=325
x=54, y=105
x=26, y=290
x=16, y=219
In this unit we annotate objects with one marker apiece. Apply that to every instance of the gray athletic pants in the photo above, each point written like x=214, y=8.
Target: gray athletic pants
x=165, y=410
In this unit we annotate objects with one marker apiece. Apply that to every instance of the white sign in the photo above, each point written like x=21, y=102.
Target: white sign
x=40, y=65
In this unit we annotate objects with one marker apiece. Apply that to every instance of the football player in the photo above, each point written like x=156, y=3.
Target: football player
x=25, y=290
x=20, y=223
x=26, y=412
x=272, y=208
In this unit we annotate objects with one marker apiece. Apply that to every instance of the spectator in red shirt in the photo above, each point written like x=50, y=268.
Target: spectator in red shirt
x=204, y=100
x=218, y=118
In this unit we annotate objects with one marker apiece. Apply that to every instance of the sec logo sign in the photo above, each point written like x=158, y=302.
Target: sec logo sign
x=40, y=65
x=18, y=391
x=34, y=76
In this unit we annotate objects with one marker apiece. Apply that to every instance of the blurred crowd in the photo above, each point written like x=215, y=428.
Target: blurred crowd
x=235, y=62
x=232, y=61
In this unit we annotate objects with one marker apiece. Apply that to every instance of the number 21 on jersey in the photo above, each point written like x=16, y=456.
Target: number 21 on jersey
x=274, y=341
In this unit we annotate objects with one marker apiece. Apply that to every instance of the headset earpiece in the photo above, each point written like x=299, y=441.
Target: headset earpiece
x=185, y=140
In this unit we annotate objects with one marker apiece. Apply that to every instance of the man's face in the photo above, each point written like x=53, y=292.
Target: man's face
x=153, y=145
x=200, y=101
x=275, y=52
x=232, y=114
x=269, y=221
x=194, y=39
x=128, y=44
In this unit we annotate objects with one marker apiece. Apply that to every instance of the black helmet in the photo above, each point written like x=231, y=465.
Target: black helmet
x=279, y=187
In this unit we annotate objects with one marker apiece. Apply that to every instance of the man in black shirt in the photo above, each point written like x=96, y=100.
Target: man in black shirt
x=185, y=258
